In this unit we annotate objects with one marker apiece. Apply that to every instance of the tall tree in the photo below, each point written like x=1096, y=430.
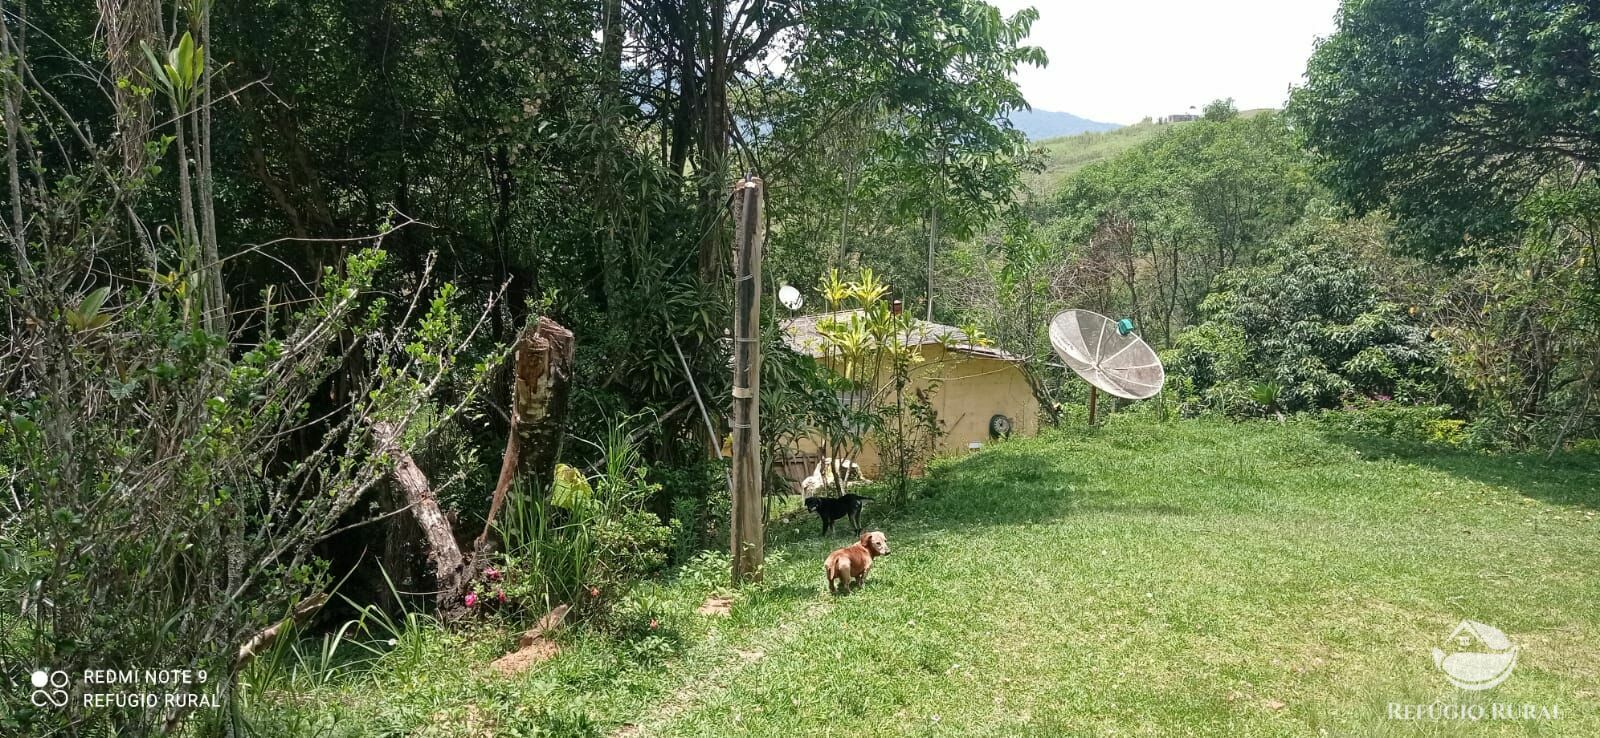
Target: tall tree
x=1449, y=112
x=1473, y=122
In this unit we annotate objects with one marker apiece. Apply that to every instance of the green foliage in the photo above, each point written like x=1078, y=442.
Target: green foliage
x=180, y=72
x=1307, y=329
x=1472, y=123
x=1220, y=110
x=135, y=543
x=881, y=382
x=1429, y=424
x=1151, y=227
x=1447, y=113
x=895, y=118
x=1065, y=156
x=588, y=538
x=697, y=500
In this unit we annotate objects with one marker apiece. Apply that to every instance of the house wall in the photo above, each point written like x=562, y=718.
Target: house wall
x=973, y=390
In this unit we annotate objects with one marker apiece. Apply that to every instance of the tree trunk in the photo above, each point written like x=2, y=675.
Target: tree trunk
x=10, y=48
x=216, y=315
x=124, y=24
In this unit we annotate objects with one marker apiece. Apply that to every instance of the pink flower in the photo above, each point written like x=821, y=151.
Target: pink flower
x=501, y=596
x=472, y=599
x=594, y=591
x=654, y=624
x=492, y=574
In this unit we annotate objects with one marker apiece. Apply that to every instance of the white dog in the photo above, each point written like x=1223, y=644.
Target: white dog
x=822, y=477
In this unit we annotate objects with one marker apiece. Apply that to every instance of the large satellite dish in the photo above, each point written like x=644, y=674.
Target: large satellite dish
x=1107, y=354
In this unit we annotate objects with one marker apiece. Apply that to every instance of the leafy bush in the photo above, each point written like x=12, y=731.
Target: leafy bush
x=645, y=625
x=1399, y=421
x=694, y=496
x=590, y=536
x=167, y=499
x=1306, y=329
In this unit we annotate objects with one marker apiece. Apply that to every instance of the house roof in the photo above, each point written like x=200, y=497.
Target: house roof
x=802, y=336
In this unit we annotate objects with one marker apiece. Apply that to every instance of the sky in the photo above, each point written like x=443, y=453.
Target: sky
x=1118, y=61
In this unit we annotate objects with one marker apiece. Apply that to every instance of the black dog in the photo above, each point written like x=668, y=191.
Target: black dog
x=833, y=508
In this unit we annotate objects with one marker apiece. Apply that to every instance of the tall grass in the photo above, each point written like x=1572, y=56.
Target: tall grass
x=357, y=646
x=596, y=530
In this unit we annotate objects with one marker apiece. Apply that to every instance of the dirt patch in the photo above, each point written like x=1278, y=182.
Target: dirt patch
x=525, y=658
x=533, y=647
x=716, y=606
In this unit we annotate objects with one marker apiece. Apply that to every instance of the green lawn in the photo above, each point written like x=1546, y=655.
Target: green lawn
x=1142, y=579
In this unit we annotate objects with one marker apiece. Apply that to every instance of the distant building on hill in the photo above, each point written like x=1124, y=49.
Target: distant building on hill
x=1180, y=117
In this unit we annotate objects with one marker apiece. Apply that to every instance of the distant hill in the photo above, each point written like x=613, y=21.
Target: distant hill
x=1067, y=154
x=1038, y=125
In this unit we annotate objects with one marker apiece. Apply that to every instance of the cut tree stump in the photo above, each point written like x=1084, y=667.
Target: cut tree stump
x=539, y=392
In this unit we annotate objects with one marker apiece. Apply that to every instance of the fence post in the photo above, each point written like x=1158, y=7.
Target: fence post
x=748, y=541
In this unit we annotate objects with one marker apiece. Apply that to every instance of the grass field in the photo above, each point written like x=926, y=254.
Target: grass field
x=1142, y=579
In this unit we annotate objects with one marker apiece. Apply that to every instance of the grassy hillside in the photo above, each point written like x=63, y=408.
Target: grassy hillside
x=1186, y=578
x=1068, y=154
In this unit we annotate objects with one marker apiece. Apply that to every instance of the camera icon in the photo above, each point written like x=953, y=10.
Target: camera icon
x=50, y=688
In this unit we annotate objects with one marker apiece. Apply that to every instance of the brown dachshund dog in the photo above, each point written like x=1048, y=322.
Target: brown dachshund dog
x=848, y=566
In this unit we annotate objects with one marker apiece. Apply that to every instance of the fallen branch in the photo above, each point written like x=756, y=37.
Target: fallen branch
x=449, y=566
x=264, y=640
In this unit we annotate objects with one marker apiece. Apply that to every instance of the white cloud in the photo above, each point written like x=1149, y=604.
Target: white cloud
x=1121, y=60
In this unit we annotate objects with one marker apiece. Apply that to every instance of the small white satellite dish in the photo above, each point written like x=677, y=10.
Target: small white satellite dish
x=790, y=297
x=1107, y=355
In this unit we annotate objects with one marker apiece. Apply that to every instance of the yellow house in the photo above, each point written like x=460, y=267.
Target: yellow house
x=981, y=391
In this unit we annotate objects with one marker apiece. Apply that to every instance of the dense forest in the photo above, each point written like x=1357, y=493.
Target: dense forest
x=263, y=260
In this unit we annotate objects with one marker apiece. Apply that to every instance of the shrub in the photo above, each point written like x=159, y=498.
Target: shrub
x=1305, y=330
x=590, y=536
x=1399, y=421
x=171, y=484
x=697, y=502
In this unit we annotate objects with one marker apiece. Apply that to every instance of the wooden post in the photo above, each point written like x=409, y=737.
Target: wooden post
x=1094, y=396
x=748, y=541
